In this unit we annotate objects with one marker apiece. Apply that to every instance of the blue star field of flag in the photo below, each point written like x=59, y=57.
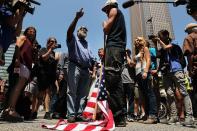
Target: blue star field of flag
x=102, y=90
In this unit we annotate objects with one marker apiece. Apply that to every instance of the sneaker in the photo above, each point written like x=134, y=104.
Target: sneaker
x=172, y=120
x=12, y=118
x=47, y=116
x=150, y=121
x=163, y=121
x=63, y=115
x=55, y=116
x=83, y=119
x=71, y=119
x=135, y=117
x=130, y=118
x=189, y=121
x=142, y=118
x=181, y=121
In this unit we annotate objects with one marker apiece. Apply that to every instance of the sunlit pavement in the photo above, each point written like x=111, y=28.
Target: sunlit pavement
x=131, y=126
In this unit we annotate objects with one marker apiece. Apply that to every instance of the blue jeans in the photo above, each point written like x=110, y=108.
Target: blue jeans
x=149, y=95
x=53, y=102
x=78, y=89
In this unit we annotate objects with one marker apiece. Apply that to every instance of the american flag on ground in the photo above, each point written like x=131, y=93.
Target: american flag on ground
x=96, y=109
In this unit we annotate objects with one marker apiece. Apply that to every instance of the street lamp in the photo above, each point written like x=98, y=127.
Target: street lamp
x=132, y=2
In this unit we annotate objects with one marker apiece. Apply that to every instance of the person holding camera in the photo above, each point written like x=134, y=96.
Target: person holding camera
x=190, y=51
x=80, y=61
x=21, y=65
x=192, y=9
x=172, y=63
x=46, y=73
x=10, y=25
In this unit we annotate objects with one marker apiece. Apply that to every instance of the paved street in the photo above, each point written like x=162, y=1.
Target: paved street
x=36, y=126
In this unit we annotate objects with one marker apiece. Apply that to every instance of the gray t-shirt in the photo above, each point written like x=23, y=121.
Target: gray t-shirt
x=126, y=76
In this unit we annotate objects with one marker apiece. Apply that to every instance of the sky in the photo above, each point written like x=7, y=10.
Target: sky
x=53, y=18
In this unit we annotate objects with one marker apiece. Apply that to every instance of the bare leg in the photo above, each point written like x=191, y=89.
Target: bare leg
x=35, y=104
x=15, y=94
x=180, y=107
x=47, y=100
x=143, y=108
x=136, y=107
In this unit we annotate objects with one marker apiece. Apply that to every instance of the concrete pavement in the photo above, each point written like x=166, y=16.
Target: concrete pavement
x=132, y=126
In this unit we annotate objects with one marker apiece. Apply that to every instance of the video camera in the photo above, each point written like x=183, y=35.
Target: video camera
x=150, y=37
x=15, y=4
x=191, y=5
x=57, y=46
x=180, y=2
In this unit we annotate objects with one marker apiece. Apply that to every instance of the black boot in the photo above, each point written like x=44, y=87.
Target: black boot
x=120, y=121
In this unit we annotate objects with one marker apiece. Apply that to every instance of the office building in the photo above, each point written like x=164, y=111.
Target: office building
x=149, y=18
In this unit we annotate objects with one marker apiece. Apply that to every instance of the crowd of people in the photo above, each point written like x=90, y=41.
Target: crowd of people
x=133, y=80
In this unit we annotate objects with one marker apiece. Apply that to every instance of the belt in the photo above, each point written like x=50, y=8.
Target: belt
x=78, y=64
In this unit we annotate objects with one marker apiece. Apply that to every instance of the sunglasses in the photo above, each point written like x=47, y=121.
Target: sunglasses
x=53, y=41
x=84, y=29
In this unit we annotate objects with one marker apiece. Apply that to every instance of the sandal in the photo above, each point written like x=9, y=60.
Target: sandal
x=12, y=117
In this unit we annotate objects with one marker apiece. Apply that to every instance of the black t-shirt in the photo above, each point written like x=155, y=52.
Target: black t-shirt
x=46, y=69
x=117, y=34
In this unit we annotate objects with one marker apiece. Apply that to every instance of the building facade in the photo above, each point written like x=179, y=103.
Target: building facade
x=8, y=59
x=149, y=18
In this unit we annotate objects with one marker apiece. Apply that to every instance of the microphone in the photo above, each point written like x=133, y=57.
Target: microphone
x=128, y=4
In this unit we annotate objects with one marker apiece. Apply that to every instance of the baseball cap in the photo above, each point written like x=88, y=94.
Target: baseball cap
x=109, y=2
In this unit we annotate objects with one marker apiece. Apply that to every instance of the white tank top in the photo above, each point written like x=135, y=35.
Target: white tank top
x=140, y=65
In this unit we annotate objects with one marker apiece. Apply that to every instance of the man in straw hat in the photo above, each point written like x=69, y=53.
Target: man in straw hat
x=114, y=29
x=190, y=50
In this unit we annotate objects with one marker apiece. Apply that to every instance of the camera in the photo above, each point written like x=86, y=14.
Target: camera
x=16, y=4
x=191, y=6
x=57, y=46
x=185, y=2
x=179, y=2
x=165, y=68
x=150, y=37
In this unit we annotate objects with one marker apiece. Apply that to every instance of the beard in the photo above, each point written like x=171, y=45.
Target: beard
x=82, y=35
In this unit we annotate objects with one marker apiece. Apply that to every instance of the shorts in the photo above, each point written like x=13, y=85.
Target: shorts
x=137, y=92
x=173, y=80
x=32, y=87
